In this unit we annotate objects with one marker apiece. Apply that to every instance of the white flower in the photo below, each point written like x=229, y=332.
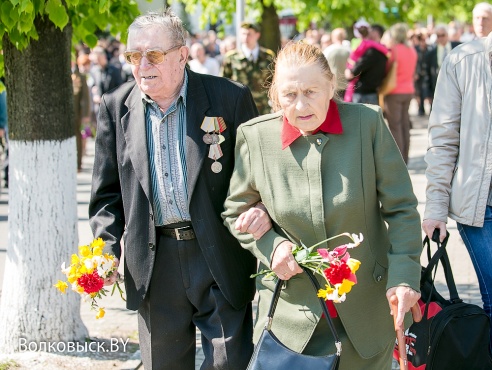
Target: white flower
x=65, y=270
x=104, y=267
x=357, y=240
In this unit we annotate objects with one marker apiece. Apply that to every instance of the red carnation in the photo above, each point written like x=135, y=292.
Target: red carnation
x=91, y=283
x=337, y=272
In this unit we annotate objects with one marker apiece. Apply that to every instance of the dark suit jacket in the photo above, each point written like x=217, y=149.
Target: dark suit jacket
x=431, y=66
x=121, y=192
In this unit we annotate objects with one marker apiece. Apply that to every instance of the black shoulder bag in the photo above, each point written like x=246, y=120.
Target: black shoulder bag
x=452, y=334
x=271, y=354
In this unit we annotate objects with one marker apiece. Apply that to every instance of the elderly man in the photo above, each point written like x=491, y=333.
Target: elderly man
x=436, y=55
x=164, y=157
x=482, y=19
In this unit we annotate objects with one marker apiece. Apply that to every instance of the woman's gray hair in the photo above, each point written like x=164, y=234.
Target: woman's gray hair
x=169, y=22
x=398, y=33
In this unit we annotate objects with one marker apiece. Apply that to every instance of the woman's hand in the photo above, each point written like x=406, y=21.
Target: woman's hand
x=407, y=298
x=430, y=225
x=255, y=221
x=283, y=261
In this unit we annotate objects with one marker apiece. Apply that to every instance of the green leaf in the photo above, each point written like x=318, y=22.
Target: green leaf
x=7, y=20
x=57, y=13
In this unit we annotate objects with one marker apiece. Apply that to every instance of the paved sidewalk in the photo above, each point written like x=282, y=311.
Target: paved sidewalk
x=120, y=322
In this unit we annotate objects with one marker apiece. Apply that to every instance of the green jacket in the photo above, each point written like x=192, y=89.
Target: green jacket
x=321, y=186
x=252, y=74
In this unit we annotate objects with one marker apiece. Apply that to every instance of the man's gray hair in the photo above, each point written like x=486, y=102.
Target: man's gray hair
x=169, y=22
x=486, y=7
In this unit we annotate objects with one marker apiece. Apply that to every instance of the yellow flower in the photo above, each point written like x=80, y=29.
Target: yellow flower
x=100, y=314
x=61, y=286
x=98, y=243
x=325, y=293
x=345, y=286
x=353, y=264
x=75, y=259
x=84, y=251
x=97, y=250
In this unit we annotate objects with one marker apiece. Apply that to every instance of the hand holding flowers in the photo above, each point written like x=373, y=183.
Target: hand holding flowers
x=336, y=266
x=89, y=271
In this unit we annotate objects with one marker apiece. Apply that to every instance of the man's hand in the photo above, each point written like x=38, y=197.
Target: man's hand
x=430, y=225
x=283, y=261
x=255, y=221
x=115, y=275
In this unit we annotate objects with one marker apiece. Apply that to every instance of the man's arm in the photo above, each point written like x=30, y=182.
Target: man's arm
x=106, y=216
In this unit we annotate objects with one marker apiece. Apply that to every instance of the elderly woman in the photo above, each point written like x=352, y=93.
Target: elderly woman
x=323, y=167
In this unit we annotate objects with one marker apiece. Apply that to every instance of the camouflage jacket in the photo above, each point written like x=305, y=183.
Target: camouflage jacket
x=255, y=75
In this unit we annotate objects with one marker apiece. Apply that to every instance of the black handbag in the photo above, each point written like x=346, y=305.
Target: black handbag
x=452, y=334
x=271, y=354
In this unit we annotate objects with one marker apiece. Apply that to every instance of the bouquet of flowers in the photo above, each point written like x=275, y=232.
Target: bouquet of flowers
x=87, y=272
x=336, y=266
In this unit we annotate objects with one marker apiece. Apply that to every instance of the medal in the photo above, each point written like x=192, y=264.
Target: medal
x=221, y=139
x=216, y=167
x=215, y=152
x=214, y=138
x=207, y=138
x=208, y=124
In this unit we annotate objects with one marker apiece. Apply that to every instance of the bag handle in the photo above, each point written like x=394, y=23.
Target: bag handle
x=276, y=296
x=440, y=255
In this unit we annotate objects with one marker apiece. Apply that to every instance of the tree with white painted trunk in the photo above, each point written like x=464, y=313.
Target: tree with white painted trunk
x=37, y=39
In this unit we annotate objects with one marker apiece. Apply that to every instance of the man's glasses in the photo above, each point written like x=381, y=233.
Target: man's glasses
x=441, y=35
x=154, y=56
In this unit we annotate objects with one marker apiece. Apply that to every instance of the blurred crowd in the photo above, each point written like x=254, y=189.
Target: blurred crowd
x=360, y=58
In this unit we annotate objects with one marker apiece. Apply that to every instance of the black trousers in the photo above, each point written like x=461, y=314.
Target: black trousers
x=183, y=295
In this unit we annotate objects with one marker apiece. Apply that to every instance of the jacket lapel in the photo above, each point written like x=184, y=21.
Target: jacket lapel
x=134, y=130
x=197, y=105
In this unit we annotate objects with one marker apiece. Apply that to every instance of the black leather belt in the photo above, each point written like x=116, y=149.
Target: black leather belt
x=185, y=232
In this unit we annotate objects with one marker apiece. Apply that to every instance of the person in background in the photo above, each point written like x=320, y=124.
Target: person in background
x=322, y=167
x=82, y=110
x=459, y=156
x=397, y=101
x=366, y=68
x=88, y=128
x=164, y=155
x=376, y=32
x=436, y=55
x=325, y=40
x=250, y=65
x=421, y=84
x=482, y=19
x=337, y=55
x=104, y=75
x=201, y=62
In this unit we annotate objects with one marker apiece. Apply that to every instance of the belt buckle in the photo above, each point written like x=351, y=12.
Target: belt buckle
x=176, y=232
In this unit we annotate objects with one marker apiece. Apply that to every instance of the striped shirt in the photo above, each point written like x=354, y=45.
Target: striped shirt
x=166, y=135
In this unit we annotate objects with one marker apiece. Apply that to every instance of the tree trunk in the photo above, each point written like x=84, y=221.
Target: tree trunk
x=42, y=193
x=270, y=29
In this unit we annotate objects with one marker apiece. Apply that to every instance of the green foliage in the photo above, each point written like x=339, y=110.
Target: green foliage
x=340, y=13
x=86, y=17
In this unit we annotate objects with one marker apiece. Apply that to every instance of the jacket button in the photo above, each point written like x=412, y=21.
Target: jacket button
x=151, y=217
x=151, y=246
x=379, y=278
